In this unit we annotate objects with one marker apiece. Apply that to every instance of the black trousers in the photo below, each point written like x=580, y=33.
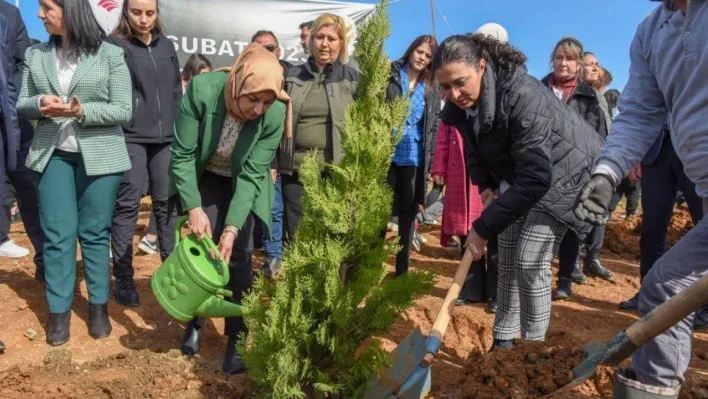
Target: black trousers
x=216, y=192
x=292, y=204
x=148, y=160
x=660, y=182
x=24, y=182
x=569, y=249
x=403, y=180
x=629, y=189
x=481, y=282
x=152, y=224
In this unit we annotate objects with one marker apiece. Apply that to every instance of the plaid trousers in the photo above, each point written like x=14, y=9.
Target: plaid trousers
x=526, y=250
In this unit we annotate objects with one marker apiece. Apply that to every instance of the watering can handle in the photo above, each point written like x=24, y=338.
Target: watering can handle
x=207, y=240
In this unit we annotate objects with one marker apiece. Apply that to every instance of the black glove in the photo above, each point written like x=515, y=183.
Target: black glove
x=594, y=199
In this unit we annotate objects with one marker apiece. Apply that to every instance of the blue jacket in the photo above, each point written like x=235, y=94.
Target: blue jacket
x=8, y=98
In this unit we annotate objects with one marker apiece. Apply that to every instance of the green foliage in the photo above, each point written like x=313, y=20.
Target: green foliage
x=310, y=333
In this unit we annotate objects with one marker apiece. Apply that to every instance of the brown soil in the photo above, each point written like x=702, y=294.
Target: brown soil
x=137, y=374
x=533, y=369
x=136, y=362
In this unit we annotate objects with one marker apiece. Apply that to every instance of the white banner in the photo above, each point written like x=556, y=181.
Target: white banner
x=220, y=29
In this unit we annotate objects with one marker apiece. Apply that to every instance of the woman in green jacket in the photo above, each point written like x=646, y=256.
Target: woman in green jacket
x=78, y=87
x=321, y=90
x=228, y=129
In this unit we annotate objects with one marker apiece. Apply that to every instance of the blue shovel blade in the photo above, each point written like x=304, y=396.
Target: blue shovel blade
x=405, y=361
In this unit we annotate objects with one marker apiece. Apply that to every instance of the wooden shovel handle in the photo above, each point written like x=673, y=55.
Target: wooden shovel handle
x=453, y=293
x=669, y=313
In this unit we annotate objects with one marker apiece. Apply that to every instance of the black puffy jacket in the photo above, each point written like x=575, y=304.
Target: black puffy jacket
x=157, y=88
x=585, y=102
x=522, y=134
x=431, y=121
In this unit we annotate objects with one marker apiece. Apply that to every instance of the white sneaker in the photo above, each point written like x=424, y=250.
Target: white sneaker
x=416, y=244
x=421, y=238
x=11, y=250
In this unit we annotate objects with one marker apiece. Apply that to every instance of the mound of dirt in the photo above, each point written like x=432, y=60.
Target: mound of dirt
x=622, y=237
x=531, y=370
x=136, y=374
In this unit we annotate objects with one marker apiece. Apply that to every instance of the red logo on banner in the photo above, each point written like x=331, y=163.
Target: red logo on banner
x=108, y=5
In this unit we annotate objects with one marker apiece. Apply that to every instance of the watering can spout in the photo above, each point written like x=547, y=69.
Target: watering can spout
x=218, y=307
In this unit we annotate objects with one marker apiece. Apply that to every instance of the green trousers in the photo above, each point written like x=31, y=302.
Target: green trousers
x=73, y=205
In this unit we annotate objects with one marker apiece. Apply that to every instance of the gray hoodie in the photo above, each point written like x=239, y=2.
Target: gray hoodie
x=669, y=65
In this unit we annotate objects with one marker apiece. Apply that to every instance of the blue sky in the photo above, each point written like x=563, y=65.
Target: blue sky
x=605, y=27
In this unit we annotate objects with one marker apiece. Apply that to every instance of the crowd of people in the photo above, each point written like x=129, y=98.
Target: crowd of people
x=530, y=169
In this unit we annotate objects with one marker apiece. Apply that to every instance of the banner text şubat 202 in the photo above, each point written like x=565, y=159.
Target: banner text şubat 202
x=227, y=48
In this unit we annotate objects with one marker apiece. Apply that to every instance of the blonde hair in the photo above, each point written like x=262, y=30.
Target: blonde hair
x=571, y=46
x=339, y=25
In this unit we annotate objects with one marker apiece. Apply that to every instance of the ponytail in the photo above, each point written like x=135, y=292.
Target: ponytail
x=471, y=49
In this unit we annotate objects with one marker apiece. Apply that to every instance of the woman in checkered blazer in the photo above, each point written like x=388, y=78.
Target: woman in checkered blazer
x=78, y=88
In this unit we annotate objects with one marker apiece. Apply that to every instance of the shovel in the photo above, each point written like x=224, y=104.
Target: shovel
x=409, y=374
x=645, y=329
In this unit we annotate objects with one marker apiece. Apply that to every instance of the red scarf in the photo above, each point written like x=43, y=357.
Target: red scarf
x=567, y=87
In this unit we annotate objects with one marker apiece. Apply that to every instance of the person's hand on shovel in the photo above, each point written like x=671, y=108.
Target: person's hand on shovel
x=476, y=245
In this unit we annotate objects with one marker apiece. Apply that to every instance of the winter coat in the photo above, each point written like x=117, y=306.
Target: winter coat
x=157, y=88
x=522, y=134
x=431, y=119
x=463, y=204
x=605, y=108
x=341, y=82
x=585, y=101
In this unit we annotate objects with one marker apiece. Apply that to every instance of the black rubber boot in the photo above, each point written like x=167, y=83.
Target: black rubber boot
x=272, y=267
x=502, y=344
x=491, y=307
x=58, y=330
x=630, y=304
x=578, y=277
x=99, y=323
x=232, y=360
x=192, y=340
x=563, y=290
x=126, y=293
x=595, y=268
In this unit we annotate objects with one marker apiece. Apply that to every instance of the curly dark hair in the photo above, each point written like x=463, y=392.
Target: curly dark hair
x=470, y=49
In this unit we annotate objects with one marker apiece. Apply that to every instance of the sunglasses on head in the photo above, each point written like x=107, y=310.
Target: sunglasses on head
x=271, y=47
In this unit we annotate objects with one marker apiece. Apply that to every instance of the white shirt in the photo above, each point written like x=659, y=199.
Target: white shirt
x=65, y=71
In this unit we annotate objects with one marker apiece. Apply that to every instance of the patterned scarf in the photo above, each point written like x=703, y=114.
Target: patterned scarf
x=567, y=87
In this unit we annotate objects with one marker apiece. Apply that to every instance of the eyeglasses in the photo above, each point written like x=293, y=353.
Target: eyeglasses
x=592, y=64
x=271, y=47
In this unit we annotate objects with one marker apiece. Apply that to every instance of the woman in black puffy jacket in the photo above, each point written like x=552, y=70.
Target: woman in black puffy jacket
x=567, y=83
x=157, y=91
x=525, y=146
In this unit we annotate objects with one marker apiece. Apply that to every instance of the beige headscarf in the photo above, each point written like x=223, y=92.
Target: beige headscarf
x=257, y=70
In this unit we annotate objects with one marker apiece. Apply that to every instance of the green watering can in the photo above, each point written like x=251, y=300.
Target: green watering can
x=190, y=283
